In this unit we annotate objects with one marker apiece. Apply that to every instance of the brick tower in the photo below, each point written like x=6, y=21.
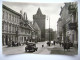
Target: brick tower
x=39, y=18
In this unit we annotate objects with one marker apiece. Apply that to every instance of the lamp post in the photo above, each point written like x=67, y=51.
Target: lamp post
x=49, y=29
x=17, y=35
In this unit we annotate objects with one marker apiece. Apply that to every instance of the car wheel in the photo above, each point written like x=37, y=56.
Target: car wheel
x=34, y=50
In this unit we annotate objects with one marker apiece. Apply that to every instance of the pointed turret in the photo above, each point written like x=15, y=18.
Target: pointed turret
x=39, y=18
x=39, y=11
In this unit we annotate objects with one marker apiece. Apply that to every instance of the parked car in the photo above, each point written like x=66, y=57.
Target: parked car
x=31, y=47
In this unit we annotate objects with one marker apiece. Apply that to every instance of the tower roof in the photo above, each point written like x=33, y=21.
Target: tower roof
x=39, y=11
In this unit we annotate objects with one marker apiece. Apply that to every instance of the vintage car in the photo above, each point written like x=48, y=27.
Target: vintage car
x=31, y=47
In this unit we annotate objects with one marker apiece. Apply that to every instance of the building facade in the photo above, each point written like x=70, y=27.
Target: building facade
x=73, y=25
x=25, y=29
x=69, y=17
x=39, y=18
x=14, y=26
x=10, y=24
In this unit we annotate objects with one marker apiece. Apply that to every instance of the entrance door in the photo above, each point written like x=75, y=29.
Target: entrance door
x=6, y=40
x=24, y=38
x=3, y=40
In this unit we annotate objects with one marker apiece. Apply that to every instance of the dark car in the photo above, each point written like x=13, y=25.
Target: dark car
x=31, y=47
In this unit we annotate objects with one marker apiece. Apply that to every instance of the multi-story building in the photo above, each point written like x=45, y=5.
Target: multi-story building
x=15, y=26
x=25, y=29
x=64, y=17
x=39, y=18
x=73, y=25
x=69, y=23
x=10, y=24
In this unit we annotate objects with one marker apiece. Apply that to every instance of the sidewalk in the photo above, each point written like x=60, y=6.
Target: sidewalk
x=60, y=50
x=5, y=46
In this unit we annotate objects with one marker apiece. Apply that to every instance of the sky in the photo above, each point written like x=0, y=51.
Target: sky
x=51, y=10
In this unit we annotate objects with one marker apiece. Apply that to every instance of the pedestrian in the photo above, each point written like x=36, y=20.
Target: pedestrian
x=54, y=42
x=13, y=43
x=48, y=43
x=60, y=44
x=42, y=45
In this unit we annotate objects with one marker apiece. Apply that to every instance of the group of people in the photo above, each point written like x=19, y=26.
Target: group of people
x=49, y=43
x=66, y=45
x=13, y=44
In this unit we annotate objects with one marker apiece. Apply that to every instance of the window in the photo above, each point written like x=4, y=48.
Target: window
x=9, y=16
x=6, y=27
x=10, y=27
x=14, y=28
x=3, y=15
x=3, y=27
x=15, y=19
x=6, y=15
x=12, y=17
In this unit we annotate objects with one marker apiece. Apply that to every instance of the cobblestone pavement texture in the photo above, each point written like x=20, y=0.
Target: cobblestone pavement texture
x=53, y=49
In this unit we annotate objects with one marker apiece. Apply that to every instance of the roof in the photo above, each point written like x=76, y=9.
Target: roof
x=39, y=11
x=7, y=8
x=59, y=20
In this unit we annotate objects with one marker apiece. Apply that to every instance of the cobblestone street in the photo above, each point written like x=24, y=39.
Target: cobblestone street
x=21, y=49
x=41, y=50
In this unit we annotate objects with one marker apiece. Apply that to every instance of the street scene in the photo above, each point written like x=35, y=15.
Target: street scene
x=39, y=28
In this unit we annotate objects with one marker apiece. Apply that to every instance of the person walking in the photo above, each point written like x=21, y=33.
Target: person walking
x=60, y=44
x=54, y=42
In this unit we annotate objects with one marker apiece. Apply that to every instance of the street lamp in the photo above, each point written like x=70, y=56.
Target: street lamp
x=17, y=34
x=49, y=29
